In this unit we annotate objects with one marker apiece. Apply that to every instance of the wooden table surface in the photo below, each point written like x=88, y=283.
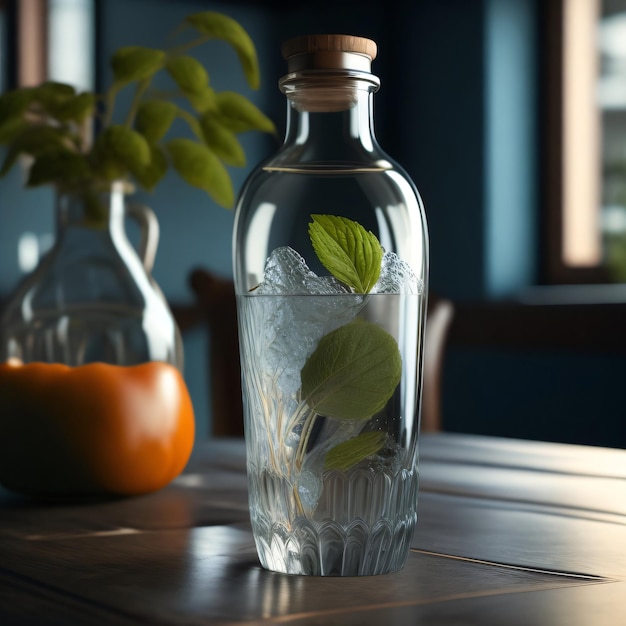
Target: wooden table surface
x=509, y=532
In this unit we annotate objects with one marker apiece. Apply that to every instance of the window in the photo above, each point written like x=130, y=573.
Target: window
x=55, y=41
x=585, y=150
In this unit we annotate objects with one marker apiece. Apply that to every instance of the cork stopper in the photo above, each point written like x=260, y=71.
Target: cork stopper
x=329, y=52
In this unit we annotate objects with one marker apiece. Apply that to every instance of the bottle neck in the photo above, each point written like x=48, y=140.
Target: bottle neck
x=330, y=119
x=91, y=212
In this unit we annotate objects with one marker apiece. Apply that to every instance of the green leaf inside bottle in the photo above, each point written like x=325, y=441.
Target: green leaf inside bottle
x=352, y=373
x=349, y=252
x=349, y=453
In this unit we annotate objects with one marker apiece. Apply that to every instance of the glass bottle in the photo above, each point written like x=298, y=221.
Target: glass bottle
x=331, y=373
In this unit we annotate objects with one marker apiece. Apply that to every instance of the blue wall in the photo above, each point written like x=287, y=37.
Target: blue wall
x=460, y=115
x=194, y=230
x=510, y=173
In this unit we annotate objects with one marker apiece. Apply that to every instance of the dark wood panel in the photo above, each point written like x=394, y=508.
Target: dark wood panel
x=511, y=326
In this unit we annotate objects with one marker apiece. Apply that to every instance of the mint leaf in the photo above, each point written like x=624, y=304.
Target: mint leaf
x=352, y=373
x=349, y=252
x=347, y=454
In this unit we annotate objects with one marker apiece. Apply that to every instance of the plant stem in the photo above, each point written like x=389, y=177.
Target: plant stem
x=298, y=414
x=193, y=123
x=182, y=48
x=307, y=429
x=109, y=104
x=298, y=501
x=139, y=92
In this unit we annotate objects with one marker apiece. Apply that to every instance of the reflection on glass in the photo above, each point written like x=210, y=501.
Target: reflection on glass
x=611, y=98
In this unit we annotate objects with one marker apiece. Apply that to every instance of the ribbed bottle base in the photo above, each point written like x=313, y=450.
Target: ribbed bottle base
x=362, y=523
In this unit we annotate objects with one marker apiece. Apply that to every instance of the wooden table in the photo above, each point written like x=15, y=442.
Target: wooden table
x=509, y=532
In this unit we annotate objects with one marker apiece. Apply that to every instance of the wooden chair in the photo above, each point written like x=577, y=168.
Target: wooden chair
x=216, y=305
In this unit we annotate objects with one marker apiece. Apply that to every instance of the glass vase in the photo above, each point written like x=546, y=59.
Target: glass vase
x=91, y=388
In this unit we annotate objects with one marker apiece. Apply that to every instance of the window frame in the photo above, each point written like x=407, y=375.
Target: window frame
x=553, y=268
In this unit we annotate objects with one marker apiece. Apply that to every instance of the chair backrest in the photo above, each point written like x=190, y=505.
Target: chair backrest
x=216, y=301
x=216, y=298
x=438, y=322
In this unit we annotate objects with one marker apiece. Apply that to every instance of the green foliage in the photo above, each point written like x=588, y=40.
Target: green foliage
x=135, y=63
x=189, y=74
x=355, y=369
x=62, y=167
x=35, y=141
x=238, y=114
x=616, y=257
x=200, y=167
x=349, y=252
x=352, y=373
x=54, y=125
x=150, y=175
x=217, y=26
x=347, y=454
x=154, y=118
x=222, y=141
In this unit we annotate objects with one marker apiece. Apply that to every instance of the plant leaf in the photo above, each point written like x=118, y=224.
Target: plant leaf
x=53, y=95
x=200, y=167
x=10, y=128
x=352, y=373
x=188, y=73
x=58, y=167
x=154, y=118
x=152, y=174
x=222, y=141
x=34, y=141
x=205, y=101
x=52, y=90
x=218, y=26
x=348, y=453
x=349, y=252
x=77, y=108
x=136, y=63
x=14, y=103
x=239, y=115
x=120, y=150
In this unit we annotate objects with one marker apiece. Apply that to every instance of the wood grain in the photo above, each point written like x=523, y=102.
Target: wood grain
x=509, y=533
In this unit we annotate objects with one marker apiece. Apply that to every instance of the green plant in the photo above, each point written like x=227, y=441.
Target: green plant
x=76, y=146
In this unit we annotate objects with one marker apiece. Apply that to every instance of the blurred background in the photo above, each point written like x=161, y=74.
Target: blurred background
x=509, y=115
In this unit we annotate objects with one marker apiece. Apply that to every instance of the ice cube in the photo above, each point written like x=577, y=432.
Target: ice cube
x=397, y=276
x=286, y=273
x=309, y=490
x=288, y=325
